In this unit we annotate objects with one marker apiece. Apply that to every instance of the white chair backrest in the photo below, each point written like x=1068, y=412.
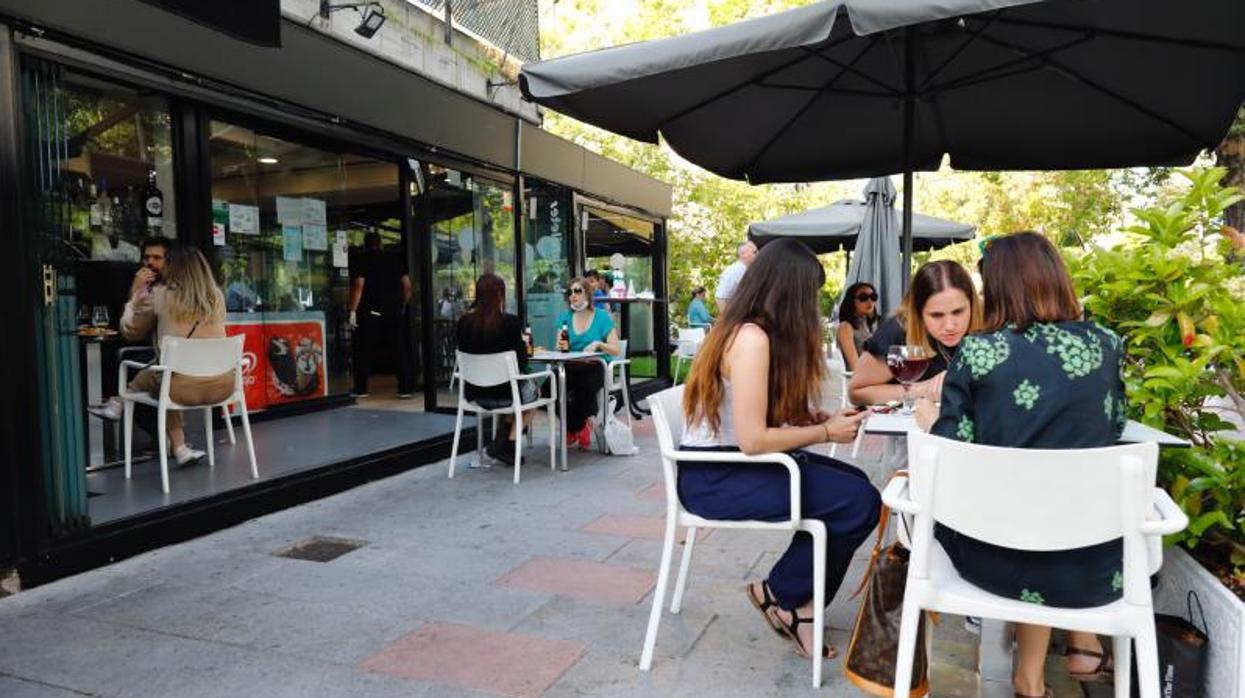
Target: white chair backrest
x=487, y=370
x=690, y=339
x=622, y=348
x=201, y=357
x=1047, y=499
x=667, y=407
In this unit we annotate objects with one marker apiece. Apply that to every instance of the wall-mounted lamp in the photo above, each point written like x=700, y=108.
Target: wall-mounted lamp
x=373, y=15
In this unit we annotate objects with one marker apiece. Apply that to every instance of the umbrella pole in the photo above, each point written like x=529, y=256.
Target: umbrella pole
x=909, y=137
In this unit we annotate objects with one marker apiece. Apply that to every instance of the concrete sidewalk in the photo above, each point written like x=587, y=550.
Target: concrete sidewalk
x=463, y=587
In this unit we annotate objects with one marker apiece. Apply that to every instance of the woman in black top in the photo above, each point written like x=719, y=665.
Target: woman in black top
x=940, y=308
x=1037, y=377
x=488, y=329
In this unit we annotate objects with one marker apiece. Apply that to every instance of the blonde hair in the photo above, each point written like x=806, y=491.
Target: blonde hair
x=192, y=293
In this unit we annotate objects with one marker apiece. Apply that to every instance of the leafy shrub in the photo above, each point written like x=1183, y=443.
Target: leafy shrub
x=1173, y=292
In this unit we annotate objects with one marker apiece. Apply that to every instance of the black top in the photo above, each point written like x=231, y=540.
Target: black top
x=382, y=274
x=474, y=338
x=892, y=333
x=1052, y=386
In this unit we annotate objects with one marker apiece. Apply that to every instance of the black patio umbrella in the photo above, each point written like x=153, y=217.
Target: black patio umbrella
x=858, y=88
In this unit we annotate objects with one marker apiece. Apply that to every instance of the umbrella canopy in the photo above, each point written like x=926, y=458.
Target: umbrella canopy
x=852, y=88
x=837, y=227
x=877, y=250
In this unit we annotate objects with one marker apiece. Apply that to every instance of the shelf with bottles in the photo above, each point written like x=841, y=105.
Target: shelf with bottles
x=109, y=207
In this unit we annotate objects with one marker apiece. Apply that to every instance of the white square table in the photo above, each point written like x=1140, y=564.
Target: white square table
x=558, y=360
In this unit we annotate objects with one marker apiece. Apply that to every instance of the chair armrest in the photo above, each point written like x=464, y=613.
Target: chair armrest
x=735, y=457
x=895, y=496
x=553, y=382
x=1171, y=518
x=123, y=351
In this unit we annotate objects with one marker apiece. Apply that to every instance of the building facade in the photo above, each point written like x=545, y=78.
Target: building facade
x=123, y=121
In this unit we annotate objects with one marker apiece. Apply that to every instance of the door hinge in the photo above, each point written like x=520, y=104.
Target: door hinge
x=49, y=284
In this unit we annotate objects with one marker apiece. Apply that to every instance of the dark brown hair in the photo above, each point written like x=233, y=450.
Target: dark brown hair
x=930, y=279
x=779, y=293
x=1025, y=282
x=490, y=301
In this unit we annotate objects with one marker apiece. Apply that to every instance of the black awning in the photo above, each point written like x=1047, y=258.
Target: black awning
x=254, y=21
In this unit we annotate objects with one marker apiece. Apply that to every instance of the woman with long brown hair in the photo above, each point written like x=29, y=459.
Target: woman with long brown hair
x=939, y=310
x=1036, y=377
x=755, y=388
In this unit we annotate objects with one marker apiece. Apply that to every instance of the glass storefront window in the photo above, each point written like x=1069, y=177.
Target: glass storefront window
x=546, y=267
x=286, y=219
x=620, y=248
x=473, y=233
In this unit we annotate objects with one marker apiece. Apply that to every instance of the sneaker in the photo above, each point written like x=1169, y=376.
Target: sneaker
x=185, y=454
x=501, y=450
x=585, y=435
x=972, y=624
x=110, y=410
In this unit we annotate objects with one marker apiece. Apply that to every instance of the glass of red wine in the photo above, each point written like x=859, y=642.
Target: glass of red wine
x=908, y=363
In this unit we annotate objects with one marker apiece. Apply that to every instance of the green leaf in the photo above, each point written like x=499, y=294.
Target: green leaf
x=1200, y=524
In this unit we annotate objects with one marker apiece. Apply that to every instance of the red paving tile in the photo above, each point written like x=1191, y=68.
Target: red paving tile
x=650, y=527
x=461, y=655
x=657, y=490
x=581, y=579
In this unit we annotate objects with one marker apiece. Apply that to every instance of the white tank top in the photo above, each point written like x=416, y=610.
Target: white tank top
x=701, y=435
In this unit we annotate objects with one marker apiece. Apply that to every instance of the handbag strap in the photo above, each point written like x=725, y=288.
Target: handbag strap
x=1189, y=601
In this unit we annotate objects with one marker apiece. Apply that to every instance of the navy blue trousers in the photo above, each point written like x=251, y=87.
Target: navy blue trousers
x=834, y=492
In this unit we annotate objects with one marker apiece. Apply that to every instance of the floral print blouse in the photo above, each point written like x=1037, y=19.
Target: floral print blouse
x=1052, y=386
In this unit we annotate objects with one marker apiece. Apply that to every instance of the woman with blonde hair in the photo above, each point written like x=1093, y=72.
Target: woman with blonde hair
x=189, y=304
x=754, y=389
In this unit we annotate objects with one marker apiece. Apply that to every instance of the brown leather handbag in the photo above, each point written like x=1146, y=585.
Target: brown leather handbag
x=874, y=646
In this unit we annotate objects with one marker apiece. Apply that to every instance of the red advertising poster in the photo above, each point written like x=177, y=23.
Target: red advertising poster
x=282, y=357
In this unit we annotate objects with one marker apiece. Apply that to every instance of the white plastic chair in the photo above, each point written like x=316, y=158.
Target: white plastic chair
x=1021, y=499
x=667, y=409
x=616, y=379
x=690, y=339
x=188, y=357
x=488, y=370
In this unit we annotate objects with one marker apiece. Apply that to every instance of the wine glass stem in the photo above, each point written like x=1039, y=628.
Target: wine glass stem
x=908, y=400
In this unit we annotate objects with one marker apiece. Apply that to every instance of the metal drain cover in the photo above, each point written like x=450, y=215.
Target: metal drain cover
x=320, y=549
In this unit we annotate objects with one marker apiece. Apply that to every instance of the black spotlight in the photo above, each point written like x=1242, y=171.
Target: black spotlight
x=373, y=15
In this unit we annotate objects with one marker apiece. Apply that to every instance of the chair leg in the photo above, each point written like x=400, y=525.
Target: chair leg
x=659, y=595
x=626, y=397
x=1122, y=648
x=162, y=437
x=250, y=441
x=819, y=601
x=458, y=428
x=128, y=411
x=685, y=565
x=518, y=442
x=207, y=435
x=907, y=648
x=1147, y=661
x=553, y=438
x=476, y=459
x=860, y=436
x=224, y=413
x=678, y=365
x=834, y=448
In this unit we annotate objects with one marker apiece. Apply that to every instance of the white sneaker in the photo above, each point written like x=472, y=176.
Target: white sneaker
x=110, y=410
x=185, y=454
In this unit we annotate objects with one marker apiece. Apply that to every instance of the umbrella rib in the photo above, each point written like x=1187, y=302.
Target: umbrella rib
x=1001, y=70
x=1120, y=34
x=894, y=91
x=834, y=90
x=956, y=54
x=808, y=105
x=731, y=90
x=1077, y=77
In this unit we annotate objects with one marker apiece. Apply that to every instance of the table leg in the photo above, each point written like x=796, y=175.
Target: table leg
x=562, y=412
x=994, y=660
x=94, y=394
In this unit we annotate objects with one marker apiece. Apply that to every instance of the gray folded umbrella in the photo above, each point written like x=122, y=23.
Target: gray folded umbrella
x=855, y=88
x=837, y=227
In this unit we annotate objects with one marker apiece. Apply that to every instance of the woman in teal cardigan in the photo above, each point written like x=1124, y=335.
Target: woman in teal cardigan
x=697, y=313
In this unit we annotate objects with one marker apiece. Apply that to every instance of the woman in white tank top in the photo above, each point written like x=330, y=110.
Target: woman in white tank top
x=755, y=388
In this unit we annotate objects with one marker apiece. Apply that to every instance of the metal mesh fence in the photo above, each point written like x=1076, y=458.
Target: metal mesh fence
x=511, y=25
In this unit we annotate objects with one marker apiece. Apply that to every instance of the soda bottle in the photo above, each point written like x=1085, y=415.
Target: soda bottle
x=564, y=338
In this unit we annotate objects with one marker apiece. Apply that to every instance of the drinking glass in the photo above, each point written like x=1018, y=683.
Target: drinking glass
x=99, y=316
x=84, y=316
x=908, y=363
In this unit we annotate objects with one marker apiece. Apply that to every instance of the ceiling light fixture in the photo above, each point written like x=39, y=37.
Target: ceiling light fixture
x=373, y=15
x=268, y=160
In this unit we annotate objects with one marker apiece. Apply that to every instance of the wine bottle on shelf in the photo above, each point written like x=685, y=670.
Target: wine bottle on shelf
x=96, y=218
x=153, y=205
x=104, y=203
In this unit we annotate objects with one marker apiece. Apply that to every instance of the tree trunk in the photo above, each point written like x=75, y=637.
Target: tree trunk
x=1231, y=154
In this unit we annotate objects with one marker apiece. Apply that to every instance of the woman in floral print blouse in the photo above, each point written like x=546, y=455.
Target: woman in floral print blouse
x=1036, y=377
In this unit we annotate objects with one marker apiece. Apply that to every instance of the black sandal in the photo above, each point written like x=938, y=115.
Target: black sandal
x=764, y=604
x=1105, y=668
x=792, y=631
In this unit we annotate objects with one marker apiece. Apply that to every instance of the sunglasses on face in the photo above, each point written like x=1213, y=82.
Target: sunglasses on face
x=862, y=297
x=576, y=290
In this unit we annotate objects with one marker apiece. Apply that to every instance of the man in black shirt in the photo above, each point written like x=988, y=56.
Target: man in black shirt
x=380, y=289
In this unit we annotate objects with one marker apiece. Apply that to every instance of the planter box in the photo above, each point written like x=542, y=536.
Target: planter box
x=1225, y=616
